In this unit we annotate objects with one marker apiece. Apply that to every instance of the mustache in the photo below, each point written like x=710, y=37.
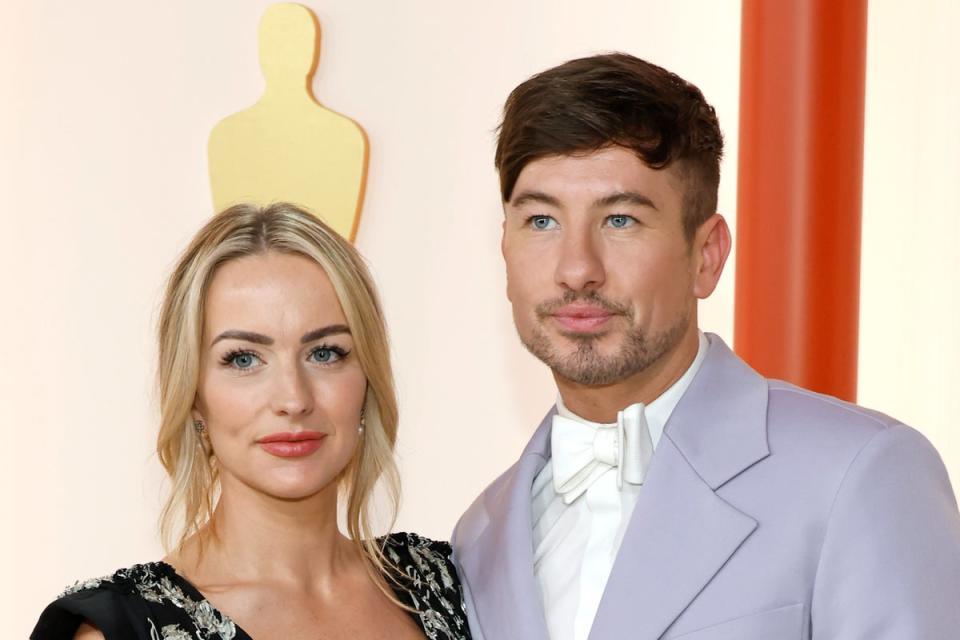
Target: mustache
x=548, y=308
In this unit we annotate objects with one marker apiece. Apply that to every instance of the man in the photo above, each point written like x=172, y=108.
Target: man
x=673, y=492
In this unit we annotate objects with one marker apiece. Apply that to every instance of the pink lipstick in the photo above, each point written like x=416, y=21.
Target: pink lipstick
x=290, y=444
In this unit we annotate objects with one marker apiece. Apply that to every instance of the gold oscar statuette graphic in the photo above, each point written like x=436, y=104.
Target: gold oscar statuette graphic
x=287, y=147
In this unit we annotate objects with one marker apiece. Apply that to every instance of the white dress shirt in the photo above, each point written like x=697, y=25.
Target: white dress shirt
x=575, y=545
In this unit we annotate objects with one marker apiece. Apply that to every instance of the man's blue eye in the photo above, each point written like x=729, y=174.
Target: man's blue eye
x=542, y=222
x=619, y=222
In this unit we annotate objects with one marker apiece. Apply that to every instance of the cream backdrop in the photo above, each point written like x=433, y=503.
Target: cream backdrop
x=104, y=117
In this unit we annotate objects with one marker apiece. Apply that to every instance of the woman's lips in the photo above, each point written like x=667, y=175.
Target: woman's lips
x=292, y=445
x=581, y=318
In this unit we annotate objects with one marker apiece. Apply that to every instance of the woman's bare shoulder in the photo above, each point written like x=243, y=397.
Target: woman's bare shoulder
x=88, y=632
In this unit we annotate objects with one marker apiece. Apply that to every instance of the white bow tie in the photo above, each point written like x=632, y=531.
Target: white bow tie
x=583, y=452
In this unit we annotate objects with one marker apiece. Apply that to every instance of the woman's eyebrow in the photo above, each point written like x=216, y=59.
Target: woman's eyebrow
x=249, y=336
x=259, y=338
x=316, y=334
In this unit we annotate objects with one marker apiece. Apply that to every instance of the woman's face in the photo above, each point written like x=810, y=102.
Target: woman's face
x=280, y=388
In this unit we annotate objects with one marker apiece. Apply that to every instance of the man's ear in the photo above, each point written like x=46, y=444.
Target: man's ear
x=503, y=250
x=503, y=238
x=711, y=247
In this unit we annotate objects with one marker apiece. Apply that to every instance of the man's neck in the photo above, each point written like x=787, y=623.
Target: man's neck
x=601, y=403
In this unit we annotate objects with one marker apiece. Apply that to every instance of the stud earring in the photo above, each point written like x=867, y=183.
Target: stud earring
x=199, y=427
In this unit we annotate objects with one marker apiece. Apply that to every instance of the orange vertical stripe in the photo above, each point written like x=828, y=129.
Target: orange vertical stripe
x=802, y=71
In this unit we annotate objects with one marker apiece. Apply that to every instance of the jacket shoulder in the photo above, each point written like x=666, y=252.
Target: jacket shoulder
x=822, y=417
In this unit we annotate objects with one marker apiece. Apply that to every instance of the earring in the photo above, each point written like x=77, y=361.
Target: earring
x=363, y=421
x=199, y=427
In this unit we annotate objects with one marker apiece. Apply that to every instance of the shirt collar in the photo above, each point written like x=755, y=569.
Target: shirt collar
x=658, y=411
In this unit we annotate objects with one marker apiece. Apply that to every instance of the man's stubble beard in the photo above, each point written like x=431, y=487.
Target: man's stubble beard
x=587, y=366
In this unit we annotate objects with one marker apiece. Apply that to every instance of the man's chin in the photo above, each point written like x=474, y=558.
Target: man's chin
x=600, y=342
x=593, y=350
x=574, y=355
x=598, y=372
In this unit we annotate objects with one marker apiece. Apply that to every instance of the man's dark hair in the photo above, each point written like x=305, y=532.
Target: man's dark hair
x=615, y=99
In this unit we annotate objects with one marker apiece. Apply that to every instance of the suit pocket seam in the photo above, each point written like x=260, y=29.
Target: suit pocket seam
x=720, y=626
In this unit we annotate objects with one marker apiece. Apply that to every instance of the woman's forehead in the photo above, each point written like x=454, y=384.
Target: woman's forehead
x=280, y=292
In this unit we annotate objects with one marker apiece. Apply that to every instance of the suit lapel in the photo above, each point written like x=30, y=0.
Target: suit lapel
x=679, y=536
x=500, y=562
x=720, y=424
x=681, y=532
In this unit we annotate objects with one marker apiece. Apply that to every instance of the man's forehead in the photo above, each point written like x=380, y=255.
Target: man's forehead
x=604, y=177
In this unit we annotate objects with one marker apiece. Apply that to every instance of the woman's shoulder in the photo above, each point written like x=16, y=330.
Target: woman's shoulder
x=428, y=583
x=141, y=601
x=413, y=543
x=125, y=581
x=418, y=556
x=106, y=601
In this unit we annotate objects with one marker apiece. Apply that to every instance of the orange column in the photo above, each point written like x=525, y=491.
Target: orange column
x=802, y=70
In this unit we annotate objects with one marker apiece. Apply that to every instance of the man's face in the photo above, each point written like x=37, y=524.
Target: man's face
x=599, y=272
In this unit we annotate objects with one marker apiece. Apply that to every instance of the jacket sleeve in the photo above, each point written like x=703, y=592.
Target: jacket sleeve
x=889, y=568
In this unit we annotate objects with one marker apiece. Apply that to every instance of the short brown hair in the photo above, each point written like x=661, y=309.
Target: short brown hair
x=615, y=99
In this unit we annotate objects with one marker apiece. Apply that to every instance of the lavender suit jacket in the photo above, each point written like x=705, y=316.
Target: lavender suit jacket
x=768, y=513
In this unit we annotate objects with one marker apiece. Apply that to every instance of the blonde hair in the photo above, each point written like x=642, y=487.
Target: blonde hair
x=247, y=230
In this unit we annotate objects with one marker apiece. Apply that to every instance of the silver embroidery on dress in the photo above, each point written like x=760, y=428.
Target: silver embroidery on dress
x=152, y=587
x=429, y=587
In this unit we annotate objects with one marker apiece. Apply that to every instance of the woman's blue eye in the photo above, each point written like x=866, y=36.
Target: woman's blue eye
x=324, y=355
x=243, y=360
x=542, y=222
x=619, y=222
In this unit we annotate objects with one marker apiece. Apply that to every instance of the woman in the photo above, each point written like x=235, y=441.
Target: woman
x=276, y=398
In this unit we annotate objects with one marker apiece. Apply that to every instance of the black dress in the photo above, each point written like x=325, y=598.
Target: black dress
x=153, y=602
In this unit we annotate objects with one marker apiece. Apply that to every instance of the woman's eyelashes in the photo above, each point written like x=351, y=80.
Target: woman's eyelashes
x=241, y=359
x=245, y=360
x=327, y=354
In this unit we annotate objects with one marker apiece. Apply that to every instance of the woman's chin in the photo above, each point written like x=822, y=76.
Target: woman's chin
x=294, y=487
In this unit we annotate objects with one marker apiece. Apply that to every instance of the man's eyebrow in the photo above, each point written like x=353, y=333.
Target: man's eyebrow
x=316, y=334
x=534, y=196
x=625, y=197
x=249, y=336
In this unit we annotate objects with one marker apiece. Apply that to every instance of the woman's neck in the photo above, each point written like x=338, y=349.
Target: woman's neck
x=257, y=538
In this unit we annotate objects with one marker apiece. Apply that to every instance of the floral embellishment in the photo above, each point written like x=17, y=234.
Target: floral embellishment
x=148, y=581
x=168, y=632
x=427, y=584
x=82, y=585
x=430, y=586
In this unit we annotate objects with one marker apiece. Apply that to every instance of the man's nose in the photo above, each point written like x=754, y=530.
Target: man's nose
x=580, y=264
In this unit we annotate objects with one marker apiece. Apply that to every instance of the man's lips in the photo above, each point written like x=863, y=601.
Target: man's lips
x=581, y=318
x=289, y=444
